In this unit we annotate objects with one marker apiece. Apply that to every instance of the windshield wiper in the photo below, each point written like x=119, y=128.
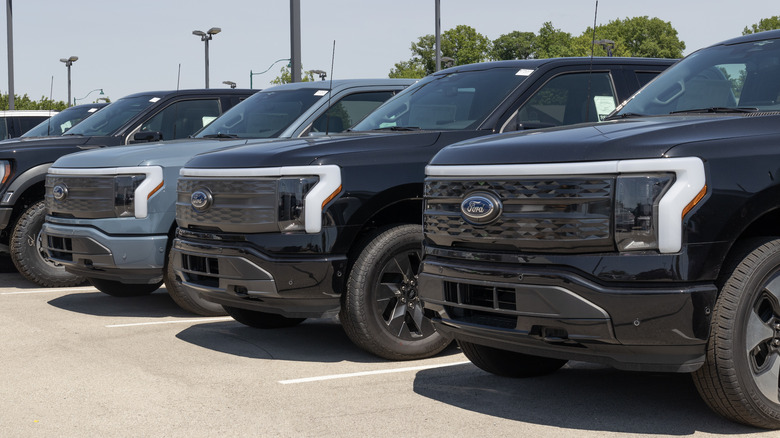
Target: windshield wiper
x=399, y=128
x=623, y=116
x=716, y=109
x=220, y=135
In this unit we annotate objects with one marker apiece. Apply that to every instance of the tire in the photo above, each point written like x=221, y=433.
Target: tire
x=187, y=299
x=123, y=290
x=28, y=255
x=381, y=310
x=262, y=320
x=509, y=363
x=740, y=377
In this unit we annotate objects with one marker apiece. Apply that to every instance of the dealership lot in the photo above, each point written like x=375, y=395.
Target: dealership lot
x=77, y=362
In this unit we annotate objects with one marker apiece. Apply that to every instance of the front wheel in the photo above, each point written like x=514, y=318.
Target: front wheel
x=187, y=299
x=262, y=320
x=122, y=290
x=741, y=374
x=382, y=312
x=509, y=363
x=28, y=254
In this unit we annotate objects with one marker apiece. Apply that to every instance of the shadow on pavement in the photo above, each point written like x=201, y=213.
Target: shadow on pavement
x=315, y=340
x=157, y=305
x=582, y=396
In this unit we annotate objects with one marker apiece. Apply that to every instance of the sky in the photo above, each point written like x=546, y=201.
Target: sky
x=126, y=47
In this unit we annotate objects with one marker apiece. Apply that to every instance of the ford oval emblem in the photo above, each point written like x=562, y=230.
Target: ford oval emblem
x=480, y=208
x=60, y=192
x=201, y=199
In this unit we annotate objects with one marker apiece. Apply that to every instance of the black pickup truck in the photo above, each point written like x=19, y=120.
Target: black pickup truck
x=282, y=231
x=648, y=242
x=137, y=118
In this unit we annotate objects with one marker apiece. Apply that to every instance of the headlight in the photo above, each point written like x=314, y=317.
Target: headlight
x=5, y=171
x=636, y=210
x=124, y=194
x=291, y=202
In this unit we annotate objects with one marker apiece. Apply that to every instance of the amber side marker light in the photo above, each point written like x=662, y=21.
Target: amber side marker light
x=156, y=189
x=695, y=201
x=7, y=173
x=332, y=195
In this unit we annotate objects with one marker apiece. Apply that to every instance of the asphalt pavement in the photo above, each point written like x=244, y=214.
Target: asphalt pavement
x=79, y=363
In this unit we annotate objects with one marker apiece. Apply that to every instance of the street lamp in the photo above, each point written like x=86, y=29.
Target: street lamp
x=68, y=62
x=319, y=73
x=251, y=73
x=205, y=37
x=82, y=98
x=448, y=62
x=230, y=84
x=608, y=45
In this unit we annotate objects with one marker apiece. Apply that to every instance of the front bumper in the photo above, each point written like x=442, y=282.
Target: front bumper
x=86, y=251
x=239, y=274
x=554, y=312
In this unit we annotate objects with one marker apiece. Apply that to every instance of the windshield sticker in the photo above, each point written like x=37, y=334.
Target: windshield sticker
x=524, y=72
x=92, y=110
x=154, y=99
x=604, y=106
x=321, y=92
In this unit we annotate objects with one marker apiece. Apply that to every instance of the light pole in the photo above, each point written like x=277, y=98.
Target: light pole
x=251, y=73
x=319, y=73
x=82, y=98
x=68, y=62
x=608, y=45
x=230, y=84
x=205, y=37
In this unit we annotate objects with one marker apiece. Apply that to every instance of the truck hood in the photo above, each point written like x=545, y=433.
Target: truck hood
x=309, y=150
x=172, y=153
x=645, y=137
x=42, y=143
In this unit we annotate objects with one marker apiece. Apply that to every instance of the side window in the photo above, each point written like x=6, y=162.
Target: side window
x=3, y=128
x=182, y=119
x=567, y=99
x=349, y=110
x=645, y=76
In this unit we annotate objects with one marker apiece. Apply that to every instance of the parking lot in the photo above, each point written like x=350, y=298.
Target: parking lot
x=77, y=362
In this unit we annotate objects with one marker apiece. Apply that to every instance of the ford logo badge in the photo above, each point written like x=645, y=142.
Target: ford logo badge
x=480, y=208
x=201, y=199
x=60, y=192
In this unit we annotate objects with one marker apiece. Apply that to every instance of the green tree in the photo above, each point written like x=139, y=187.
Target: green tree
x=764, y=24
x=25, y=103
x=637, y=36
x=514, y=45
x=462, y=43
x=553, y=43
x=286, y=76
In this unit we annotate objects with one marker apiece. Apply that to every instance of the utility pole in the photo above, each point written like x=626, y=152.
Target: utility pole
x=438, y=35
x=295, y=40
x=10, y=27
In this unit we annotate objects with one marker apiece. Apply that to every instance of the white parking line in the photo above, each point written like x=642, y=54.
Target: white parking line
x=178, y=321
x=51, y=290
x=369, y=373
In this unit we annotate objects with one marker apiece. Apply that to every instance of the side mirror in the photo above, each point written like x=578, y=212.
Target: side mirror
x=147, y=137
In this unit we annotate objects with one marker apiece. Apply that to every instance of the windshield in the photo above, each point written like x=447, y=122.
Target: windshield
x=461, y=100
x=264, y=115
x=113, y=117
x=61, y=122
x=739, y=77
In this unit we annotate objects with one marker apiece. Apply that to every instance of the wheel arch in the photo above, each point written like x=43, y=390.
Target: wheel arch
x=26, y=189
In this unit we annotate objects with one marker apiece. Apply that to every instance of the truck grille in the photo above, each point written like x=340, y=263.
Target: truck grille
x=563, y=214
x=88, y=197
x=246, y=205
